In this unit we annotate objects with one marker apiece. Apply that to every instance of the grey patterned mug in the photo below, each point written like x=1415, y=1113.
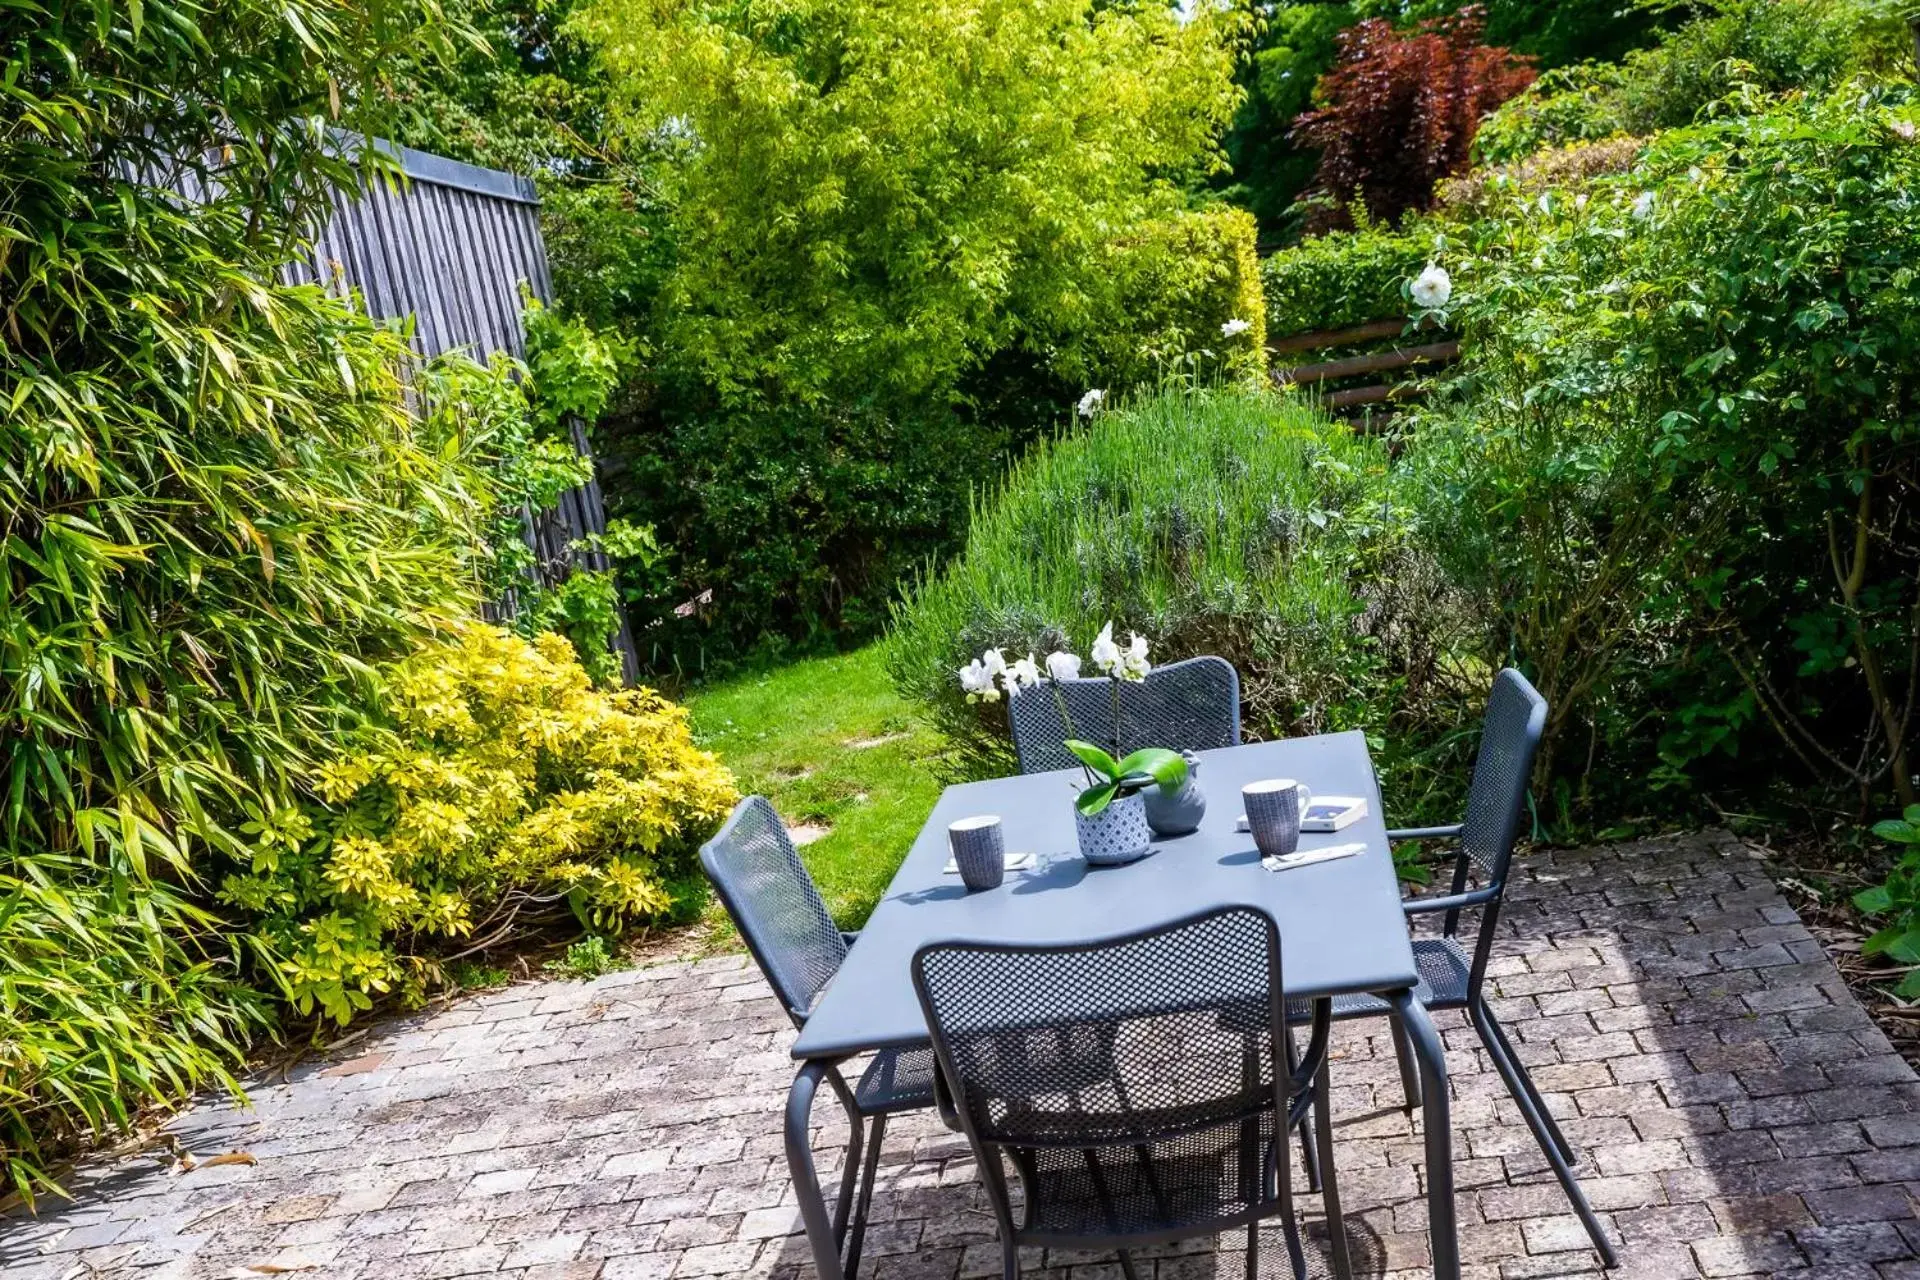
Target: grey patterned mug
x=979, y=851
x=1273, y=814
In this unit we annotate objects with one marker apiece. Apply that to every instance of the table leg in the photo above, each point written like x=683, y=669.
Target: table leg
x=1444, y=1238
x=806, y=1179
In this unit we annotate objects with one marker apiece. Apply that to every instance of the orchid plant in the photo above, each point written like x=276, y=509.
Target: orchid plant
x=988, y=676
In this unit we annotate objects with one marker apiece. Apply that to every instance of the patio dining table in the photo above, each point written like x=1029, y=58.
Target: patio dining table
x=1341, y=927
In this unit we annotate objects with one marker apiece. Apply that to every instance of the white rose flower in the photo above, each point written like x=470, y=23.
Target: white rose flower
x=1234, y=328
x=1063, y=666
x=1133, y=663
x=1090, y=403
x=1022, y=674
x=1105, y=653
x=1643, y=205
x=1432, y=287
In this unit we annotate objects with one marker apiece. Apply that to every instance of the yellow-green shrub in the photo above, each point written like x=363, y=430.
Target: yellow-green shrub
x=1178, y=281
x=501, y=784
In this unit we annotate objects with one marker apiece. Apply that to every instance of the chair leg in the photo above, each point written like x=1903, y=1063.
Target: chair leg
x=1533, y=1090
x=1330, y=1185
x=849, y=1177
x=1515, y=1076
x=858, y=1233
x=1009, y=1260
x=1409, y=1069
x=1253, y=1251
x=1126, y=1266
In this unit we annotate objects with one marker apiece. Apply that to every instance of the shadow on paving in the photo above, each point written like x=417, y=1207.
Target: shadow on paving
x=1735, y=1114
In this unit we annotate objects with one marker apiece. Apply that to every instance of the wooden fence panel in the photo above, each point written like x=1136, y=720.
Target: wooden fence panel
x=453, y=248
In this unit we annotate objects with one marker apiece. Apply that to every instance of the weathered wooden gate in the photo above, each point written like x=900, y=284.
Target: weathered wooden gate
x=453, y=247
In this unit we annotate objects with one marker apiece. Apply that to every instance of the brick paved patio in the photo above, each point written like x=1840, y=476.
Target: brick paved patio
x=1737, y=1112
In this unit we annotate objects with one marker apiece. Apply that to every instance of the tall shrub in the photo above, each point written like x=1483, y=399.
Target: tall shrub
x=218, y=514
x=1680, y=466
x=1397, y=113
x=1216, y=521
x=492, y=789
x=1772, y=45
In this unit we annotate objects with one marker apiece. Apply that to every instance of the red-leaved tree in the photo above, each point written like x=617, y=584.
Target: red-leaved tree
x=1399, y=109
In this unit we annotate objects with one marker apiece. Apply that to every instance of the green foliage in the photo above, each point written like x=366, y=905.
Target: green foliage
x=494, y=781
x=1139, y=770
x=1176, y=283
x=588, y=958
x=1231, y=523
x=1294, y=47
x=789, y=524
x=1678, y=469
x=573, y=369
x=219, y=516
x=1896, y=902
x=525, y=413
x=903, y=240
x=871, y=198
x=1344, y=278
x=1773, y=45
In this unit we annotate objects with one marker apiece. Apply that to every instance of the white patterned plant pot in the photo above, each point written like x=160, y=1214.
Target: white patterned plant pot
x=1118, y=833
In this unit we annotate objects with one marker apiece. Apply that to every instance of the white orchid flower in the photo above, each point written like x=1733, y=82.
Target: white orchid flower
x=1105, y=653
x=1133, y=663
x=1234, y=328
x=1432, y=287
x=1063, y=666
x=977, y=681
x=1023, y=674
x=1090, y=403
x=1643, y=205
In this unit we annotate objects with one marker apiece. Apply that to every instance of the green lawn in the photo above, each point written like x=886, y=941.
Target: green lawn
x=831, y=744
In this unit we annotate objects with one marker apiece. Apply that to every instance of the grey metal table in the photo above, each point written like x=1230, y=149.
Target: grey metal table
x=1341, y=927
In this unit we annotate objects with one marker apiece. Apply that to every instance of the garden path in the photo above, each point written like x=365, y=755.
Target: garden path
x=1738, y=1113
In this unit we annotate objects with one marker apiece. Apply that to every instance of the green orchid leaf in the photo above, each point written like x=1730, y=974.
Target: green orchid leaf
x=1094, y=799
x=1094, y=758
x=1168, y=768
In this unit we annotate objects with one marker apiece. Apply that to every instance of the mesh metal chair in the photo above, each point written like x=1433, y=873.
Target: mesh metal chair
x=1451, y=975
x=1181, y=1131
x=778, y=910
x=1192, y=705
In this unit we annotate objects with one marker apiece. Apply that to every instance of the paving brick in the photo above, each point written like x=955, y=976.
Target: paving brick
x=1735, y=1112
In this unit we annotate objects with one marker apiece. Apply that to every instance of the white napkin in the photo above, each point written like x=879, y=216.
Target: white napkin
x=1307, y=857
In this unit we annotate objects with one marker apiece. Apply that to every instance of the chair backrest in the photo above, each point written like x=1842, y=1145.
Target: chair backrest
x=775, y=904
x=1192, y=705
x=1496, y=803
x=1090, y=1053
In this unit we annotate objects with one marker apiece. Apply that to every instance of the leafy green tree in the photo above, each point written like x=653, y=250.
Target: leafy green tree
x=218, y=513
x=870, y=198
x=1295, y=45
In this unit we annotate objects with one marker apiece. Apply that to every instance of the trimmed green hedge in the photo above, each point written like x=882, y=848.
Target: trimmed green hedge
x=1342, y=279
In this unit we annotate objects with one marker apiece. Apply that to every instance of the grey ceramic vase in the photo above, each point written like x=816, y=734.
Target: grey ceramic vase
x=1177, y=813
x=1117, y=834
